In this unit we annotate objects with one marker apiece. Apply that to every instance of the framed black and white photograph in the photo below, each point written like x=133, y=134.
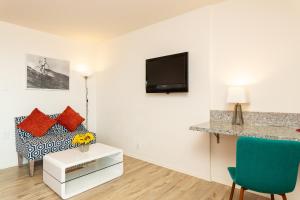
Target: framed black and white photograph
x=47, y=73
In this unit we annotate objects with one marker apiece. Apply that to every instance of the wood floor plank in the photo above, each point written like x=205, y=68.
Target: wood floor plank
x=141, y=181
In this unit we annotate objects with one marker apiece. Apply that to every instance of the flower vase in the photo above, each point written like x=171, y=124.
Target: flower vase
x=84, y=147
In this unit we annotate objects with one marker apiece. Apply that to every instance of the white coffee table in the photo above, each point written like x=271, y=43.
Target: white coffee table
x=71, y=172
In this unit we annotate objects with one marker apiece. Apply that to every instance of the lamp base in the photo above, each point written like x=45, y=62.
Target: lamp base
x=237, y=118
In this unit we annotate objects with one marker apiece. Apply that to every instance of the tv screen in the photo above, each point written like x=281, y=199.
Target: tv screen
x=167, y=74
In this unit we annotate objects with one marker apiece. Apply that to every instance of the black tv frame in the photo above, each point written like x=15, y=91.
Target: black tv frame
x=169, y=88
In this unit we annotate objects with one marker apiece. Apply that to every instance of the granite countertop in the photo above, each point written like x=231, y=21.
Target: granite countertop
x=252, y=130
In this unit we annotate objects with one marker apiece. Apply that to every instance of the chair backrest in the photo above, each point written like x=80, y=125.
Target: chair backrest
x=56, y=129
x=268, y=166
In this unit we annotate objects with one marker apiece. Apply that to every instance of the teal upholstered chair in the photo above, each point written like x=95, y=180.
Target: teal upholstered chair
x=266, y=166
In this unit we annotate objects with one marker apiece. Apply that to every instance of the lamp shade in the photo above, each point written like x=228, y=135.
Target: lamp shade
x=84, y=70
x=87, y=72
x=237, y=95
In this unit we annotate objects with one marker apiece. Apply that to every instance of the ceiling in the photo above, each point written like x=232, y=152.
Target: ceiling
x=92, y=20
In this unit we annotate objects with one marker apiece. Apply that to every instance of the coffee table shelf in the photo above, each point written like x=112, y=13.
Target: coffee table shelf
x=71, y=172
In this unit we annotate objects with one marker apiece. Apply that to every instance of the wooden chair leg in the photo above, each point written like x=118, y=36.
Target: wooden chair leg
x=242, y=192
x=232, y=191
x=31, y=167
x=283, y=197
x=20, y=160
x=272, y=197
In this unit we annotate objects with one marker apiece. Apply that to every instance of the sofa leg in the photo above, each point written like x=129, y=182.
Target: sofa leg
x=31, y=167
x=20, y=160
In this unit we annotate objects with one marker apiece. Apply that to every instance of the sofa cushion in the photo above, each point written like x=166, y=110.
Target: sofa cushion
x=70, y=119
x=37, y=123
x=58, y=129
x=37, y=147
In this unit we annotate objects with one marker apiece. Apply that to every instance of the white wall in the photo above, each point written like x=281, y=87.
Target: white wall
x=154, y=127
x=254, y=43
x=16, y=100
x=250, y=42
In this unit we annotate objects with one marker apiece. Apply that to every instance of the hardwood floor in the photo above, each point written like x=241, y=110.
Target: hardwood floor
x=141, y=180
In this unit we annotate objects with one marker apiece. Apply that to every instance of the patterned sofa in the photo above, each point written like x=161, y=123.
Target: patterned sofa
x=33, y=148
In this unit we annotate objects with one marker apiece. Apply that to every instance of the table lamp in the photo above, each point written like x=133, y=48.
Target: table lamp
x=238, y=96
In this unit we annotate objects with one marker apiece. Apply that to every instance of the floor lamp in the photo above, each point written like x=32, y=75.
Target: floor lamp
x=86, y=102
x=86, y=75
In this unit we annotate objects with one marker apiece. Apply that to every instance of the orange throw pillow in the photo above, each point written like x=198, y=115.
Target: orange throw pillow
x=70, y=119
x=37, y=123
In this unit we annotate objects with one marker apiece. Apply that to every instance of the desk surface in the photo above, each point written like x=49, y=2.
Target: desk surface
x=259, y=131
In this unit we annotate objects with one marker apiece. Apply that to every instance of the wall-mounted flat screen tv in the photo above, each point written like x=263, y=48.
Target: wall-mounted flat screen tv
x=167, y=74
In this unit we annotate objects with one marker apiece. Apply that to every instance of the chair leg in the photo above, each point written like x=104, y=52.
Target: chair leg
x=283, y=197
x=242, y=192
x=272, y=197
x=31, y=167
x=20, y=160
x=232, y=191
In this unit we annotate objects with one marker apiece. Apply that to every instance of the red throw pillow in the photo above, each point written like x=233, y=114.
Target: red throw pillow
x=70, y=119
x=37, y=123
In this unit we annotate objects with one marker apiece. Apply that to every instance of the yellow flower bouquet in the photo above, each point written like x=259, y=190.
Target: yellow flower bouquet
x=83, y=140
